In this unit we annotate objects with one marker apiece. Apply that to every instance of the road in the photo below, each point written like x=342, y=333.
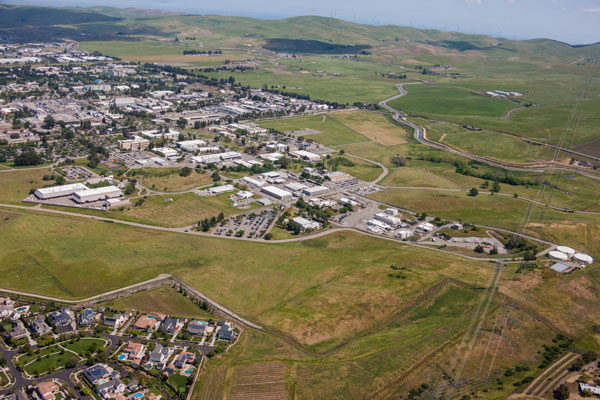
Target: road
x=420, y=134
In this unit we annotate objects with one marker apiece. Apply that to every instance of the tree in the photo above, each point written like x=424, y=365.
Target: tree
x=49, y=122
x=479, y=249
x=182, y=123
x=27, y=158
x=185, y=171
x=398, y=161
x=495, y=187
x=473, y=192
x=494, y=251
x=215, y=176
x=561, y=392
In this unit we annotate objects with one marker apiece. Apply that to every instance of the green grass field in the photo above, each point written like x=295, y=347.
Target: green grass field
x=17, y=184
x=360, y=169
x=333, y=133
x=163, y=300
x=158, y=179
x=377, y=127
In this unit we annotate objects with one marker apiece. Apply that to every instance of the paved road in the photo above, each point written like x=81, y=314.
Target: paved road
x=159, y=278
x=420, y=134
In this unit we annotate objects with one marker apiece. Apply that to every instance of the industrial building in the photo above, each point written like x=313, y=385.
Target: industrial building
x=59, y=191
x=221, y=189
x=166, y=152
x=137, y=143
x=191, y=145
x=339, y=176
x=306, y=223
x=295, y=186
x=91, y=195
x=306, y=155
x=251, y=181
x=315, y=190
x=276, y=192
x=388, y=219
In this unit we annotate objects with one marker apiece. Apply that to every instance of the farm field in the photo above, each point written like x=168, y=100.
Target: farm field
x=163, y=300
x=377, y=127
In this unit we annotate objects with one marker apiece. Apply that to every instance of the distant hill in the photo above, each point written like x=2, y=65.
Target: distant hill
x=25, y=16
x=305, y=34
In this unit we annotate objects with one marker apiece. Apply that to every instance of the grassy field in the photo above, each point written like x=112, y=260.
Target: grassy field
x=450, y=100
x=362, y=170
x=578, y=230
x=377, y=127
x=17, y=184
x=163, y=300
x=158, y=179
x=486, y=143
x=177, y=209
x=333, y=133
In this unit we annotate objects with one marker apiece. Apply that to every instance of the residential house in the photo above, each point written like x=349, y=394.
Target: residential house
x=63, y=320
x=160, y=354
x=39, y=326
x=197, y=328
x=86, y=318
x=111, y=389
x=135, y=351
x=100, y=373
x=47, y=390
x=114, y=321
x=19, y=332
x=172, y=325
x=185, y=357
x=225, y=332
x=147, y=323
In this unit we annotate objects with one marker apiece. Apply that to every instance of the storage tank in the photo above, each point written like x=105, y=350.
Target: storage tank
x=567, y=250
x=558, y=255
x=584, y=258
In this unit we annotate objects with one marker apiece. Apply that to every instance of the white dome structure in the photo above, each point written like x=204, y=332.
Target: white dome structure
x=567, y=250
x=584, y=258
x=558, y=255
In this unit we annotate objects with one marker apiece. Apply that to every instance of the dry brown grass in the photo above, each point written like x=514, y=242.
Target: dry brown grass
x=260, y=381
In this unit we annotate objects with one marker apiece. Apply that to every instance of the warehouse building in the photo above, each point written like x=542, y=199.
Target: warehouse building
x=276, y=192
x=295, y=186
x=339, y=176
x=59, y=191
x=91, y=195
x=306, y=155
x=221, y=189
x=191, y=145
x=306, y=223
x=251, y=181
x=315, y=190
x=388, y=219
x=166, y=152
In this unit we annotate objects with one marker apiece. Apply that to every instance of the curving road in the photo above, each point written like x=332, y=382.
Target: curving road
x=420, y=134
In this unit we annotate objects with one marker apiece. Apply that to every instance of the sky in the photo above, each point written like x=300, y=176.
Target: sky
x=571, y=21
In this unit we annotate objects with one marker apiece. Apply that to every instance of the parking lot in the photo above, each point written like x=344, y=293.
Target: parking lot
x=250, y=225
x=74, y=173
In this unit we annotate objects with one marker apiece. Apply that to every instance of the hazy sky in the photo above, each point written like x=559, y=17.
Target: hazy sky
x=572, y=21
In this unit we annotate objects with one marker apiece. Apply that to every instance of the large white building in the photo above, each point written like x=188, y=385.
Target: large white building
x=315, y=190
x=191, y=145
x=215, y=158
x=137, y=143
x=276, y=192
x=306, y=155
x=166, y=152
x=59, y=191
x=388, y=219
x=252, y=181
x=101, y=193
x=306, y=223
x=221, y=189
